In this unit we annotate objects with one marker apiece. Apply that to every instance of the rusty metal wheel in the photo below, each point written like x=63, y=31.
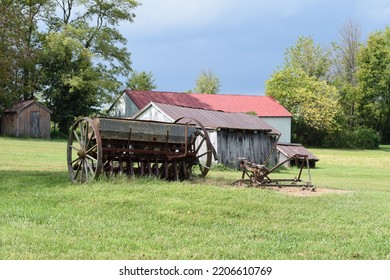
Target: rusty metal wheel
x=84, y=151
x=202, y=149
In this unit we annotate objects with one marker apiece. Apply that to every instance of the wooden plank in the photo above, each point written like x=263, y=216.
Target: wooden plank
x=145, y=131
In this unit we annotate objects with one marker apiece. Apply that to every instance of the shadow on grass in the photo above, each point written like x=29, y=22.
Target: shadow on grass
x=384, y=148
x=47, y=179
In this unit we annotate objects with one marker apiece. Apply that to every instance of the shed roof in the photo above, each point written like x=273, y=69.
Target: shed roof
x=263, y=106
x=291, y=149
x=17, y=108
x=212, y=119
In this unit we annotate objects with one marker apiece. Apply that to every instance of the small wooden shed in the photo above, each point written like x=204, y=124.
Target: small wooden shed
x=287, y=150
x=27, y=119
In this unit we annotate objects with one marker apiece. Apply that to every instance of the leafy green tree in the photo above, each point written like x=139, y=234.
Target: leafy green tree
x=345, y=65
x=311, y=58
x=19, y=49
x=84, y=56
x=33, y=11
x=207, y=83
x=10, y=35
x=141, y=81
x=313, y=104
x=302, y=87
x=374, y=83
x=70, y=79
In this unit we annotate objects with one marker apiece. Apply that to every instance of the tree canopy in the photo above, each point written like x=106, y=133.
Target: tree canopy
x=207, y=83
x=309, y=57
x=340, y=95
x=19, y=50
x=301, y=87
x=374, y=83
x=141, y=81
x=83, y=58
x=74, y=61
x=313, y=103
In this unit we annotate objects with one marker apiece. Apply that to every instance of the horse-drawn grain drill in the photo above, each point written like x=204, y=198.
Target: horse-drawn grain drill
x=171, y=151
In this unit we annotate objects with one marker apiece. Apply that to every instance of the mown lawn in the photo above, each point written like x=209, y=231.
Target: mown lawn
x=44, y=216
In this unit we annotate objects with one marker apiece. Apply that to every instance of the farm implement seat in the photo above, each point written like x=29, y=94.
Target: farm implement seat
x=257, y=175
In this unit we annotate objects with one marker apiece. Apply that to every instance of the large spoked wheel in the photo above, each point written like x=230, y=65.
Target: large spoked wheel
x=84, y=151
x=203, y=150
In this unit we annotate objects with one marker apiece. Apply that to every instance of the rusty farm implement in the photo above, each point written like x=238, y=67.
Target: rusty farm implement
x=257, y=175
x=109, y=146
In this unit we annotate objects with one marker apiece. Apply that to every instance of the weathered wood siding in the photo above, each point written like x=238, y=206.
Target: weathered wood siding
x=33, y=121
x=9, y=124
x=254, y=146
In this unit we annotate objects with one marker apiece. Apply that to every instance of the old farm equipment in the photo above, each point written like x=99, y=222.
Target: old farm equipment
x=257, y=175
x=171, y=151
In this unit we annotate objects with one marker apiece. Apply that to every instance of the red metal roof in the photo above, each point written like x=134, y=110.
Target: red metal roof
x=263, y=106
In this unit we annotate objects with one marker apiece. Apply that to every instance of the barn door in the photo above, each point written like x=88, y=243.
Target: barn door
x=34, y=124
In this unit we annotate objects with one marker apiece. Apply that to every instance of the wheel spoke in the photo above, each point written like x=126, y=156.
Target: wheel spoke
x=204, y=166
x=90, y=149
x=85, y=165
x=77, y=159
x=82, y=134
x=77, y=137
x=201, y=155
x=74, y=148
x=91, y=158
x=90, y=168
x=88, y=140
x=78, y=170
x=200, y=145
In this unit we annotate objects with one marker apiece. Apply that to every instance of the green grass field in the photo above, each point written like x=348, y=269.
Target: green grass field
x=44, y=216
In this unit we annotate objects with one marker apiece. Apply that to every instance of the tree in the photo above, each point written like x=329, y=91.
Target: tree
x=207, y=83
x=141, y=81
x=19, y=49
x=345, y=65
x=33, y=11
x=10, y=36
x=309, y=57
x=83, y=59
x=313, y=104
x=302, y=86
x=374, y=83
x=70, y=79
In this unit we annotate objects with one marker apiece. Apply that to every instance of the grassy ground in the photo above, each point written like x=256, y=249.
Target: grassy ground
x=44, y=216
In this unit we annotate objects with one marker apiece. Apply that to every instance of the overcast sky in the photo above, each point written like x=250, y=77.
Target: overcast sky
x=241, y=41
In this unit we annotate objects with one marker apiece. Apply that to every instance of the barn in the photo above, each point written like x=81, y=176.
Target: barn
x=27, y=119
x=233, y=135
x=265, y=107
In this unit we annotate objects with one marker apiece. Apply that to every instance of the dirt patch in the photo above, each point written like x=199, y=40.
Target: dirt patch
x=298, y=191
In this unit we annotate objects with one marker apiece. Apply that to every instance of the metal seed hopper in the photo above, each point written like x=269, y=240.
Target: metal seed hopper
x=171, y=151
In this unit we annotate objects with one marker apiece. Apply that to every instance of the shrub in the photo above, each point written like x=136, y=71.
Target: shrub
x=360, y=138
x=365, y=138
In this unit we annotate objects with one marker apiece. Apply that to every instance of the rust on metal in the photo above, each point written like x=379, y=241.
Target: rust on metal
x=257, y=175
x=109, y=146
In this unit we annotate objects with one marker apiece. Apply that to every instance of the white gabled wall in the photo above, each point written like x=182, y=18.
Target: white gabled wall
x=153, y=114
x=283, y=125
